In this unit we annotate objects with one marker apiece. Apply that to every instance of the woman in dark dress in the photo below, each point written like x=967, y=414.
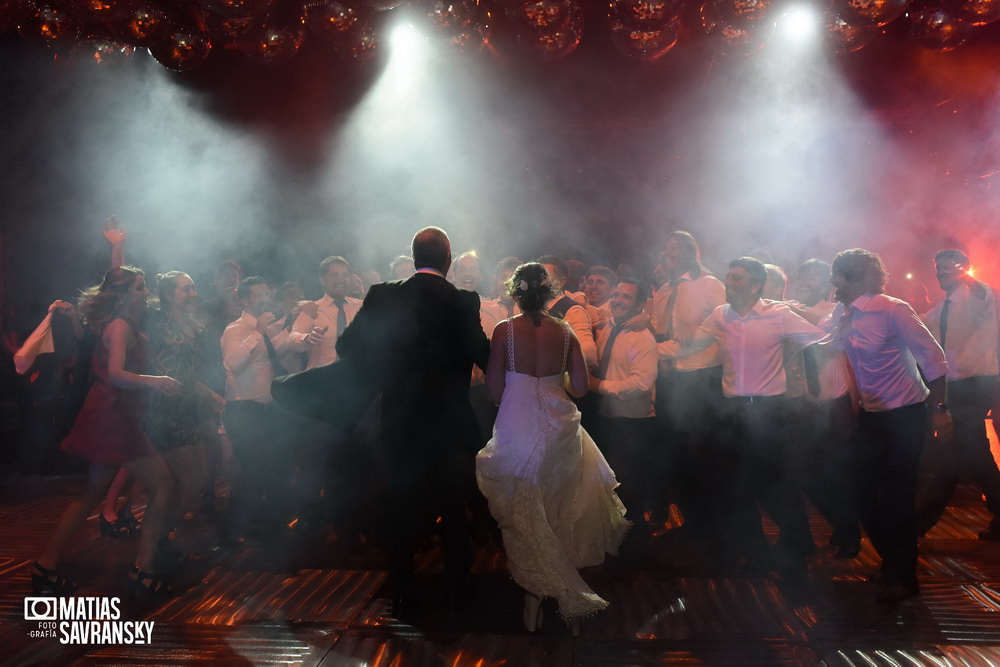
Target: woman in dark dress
x=181, y=424
x=108, y=431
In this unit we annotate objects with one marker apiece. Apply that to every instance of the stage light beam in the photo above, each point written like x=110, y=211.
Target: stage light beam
x=799, y=24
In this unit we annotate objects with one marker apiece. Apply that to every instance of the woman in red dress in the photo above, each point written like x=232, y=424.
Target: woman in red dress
x=108, y=431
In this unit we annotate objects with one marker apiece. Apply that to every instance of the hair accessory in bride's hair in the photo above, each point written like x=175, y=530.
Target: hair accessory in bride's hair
x=523, y=285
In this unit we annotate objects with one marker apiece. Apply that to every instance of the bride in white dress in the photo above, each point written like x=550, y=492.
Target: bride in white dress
x=548, y=485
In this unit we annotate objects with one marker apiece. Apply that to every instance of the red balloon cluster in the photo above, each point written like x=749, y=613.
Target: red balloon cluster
x=645, y=29
x=939, y=26
x=183, y=34
x=465, y=24
x=550, y=28
x=736, y=25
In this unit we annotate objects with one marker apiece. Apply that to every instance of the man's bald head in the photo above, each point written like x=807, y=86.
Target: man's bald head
x=432, y=249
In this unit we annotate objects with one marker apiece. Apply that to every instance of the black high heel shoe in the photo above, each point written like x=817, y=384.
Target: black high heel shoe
x=50, y=583
x=122, y=527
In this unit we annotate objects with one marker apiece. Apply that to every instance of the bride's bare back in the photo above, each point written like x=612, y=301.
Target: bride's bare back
x=539, y=349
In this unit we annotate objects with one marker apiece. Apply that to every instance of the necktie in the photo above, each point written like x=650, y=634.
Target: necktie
x=810, y=367
x=669, y=313
x=944, y=320
x=668, y=365
x=602, y=369
x=341, y=315
x=272, y=354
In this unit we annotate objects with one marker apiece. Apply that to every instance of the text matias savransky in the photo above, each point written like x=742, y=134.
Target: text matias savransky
x=85, y=620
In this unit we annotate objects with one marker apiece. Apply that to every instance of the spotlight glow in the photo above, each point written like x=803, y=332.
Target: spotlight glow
x=800, y=24
x=407, y=40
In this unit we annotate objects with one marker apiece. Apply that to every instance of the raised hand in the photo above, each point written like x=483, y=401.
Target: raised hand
x=113, y=231
x=264, y=321
x=62, y=307
x=316, y=336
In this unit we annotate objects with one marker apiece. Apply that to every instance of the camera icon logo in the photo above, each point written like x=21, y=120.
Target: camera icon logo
x=41, y=609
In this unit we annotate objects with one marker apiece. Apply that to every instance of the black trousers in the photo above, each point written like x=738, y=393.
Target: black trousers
x=757, y=475
x=968, y=454
x=689, y=408
x=419, y=489
x=629, y=445
x=888, y=446
x=822, y=460
x=264, y=463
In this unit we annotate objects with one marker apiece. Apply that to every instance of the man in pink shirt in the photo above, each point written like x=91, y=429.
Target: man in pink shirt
x=888, y=348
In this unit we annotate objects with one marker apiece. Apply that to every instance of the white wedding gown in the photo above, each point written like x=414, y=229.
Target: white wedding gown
x=550, y=489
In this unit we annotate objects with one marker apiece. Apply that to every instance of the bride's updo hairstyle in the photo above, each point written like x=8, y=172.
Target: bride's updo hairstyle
x=530, y=287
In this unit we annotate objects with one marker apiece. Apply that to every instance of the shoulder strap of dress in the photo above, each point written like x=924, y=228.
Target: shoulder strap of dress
x=565, y=347
x=510, y=345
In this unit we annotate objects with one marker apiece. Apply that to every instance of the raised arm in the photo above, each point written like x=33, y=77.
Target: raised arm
x=116, y=236
x=674, y=349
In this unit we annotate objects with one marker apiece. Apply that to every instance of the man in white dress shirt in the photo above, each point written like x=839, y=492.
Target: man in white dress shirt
x=466, y=273
x=316, y=330
x=256, y=426
x=625, y=382
x=331, y=468
x=600, y=287
x=824, y=416
x=688, y=389
x=965, y=324
x=401, y=268
x=751, y=334
x=502, y=303
x=890, y=353
x=564, y=307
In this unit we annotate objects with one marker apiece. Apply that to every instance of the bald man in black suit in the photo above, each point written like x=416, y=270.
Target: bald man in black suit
x=419, y=337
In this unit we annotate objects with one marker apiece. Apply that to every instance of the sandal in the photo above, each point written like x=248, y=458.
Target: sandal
x=149, y=584
x=50, y=583
x=118, y=529
x=126, y=516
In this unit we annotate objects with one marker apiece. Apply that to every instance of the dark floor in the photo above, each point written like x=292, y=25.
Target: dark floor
x=306, y=602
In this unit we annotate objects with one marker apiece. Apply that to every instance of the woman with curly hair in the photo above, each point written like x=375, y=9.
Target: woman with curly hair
x=548, y=486
x=108, y=431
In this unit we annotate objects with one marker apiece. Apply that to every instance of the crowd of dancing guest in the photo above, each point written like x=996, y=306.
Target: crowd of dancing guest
x=717, y=396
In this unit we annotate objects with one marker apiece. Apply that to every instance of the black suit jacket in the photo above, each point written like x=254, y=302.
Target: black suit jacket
x=417, y=339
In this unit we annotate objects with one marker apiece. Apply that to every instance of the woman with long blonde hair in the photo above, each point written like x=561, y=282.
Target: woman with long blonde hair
x=108, y=431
